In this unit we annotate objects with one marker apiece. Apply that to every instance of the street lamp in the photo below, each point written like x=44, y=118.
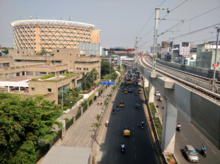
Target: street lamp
x=215, y=62
x=155, y=35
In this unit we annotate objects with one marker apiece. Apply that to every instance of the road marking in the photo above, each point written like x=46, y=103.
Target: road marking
x=186, y=139
x=134, y=139
x=135, y=156
x=200, y=136
x=134, y=147
x=116, y=157
x=213, y=151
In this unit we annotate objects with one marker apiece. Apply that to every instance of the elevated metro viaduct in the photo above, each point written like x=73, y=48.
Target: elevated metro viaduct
x=202, y=112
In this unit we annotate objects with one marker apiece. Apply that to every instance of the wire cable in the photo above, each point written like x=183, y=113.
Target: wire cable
x=149, y=18
x=164, y=17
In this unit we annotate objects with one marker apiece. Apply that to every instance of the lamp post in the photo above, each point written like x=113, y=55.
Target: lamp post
x=215, y=62
x=155, y=35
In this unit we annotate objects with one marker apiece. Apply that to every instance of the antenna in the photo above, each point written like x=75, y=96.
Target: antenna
x=36, y=16
x=30, y=17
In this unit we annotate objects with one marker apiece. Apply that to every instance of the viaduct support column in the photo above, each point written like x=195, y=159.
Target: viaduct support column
x=151, y=92
x=169, y=128
x=119, y=60
x=146, y=83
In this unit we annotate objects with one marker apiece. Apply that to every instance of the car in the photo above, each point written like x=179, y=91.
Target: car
x=191, y=154
x=130, y=90
x=121, y=104
x=157, y=93
x=126, y=131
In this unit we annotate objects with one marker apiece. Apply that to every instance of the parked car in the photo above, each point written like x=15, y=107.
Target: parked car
x=157, y=93
x=191, y=154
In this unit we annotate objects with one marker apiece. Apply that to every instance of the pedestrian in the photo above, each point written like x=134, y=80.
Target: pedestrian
x=101, y=102
x=97, y=102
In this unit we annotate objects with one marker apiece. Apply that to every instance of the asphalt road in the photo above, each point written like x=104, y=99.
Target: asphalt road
x=190, y=135
x=139, y=146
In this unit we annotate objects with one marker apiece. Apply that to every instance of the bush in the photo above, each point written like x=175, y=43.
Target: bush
x=66, y=120
x=65, y=108
x=34, y=79
x=47, y=76
x=156, y=121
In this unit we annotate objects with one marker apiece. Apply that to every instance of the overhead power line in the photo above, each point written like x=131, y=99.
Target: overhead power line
x=196, y=30
x=150, y=18
x=164, y=17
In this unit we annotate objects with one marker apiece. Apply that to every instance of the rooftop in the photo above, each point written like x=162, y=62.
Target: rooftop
x=50, y=22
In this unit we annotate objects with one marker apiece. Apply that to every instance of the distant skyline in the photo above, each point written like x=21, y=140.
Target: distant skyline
x=120, y=21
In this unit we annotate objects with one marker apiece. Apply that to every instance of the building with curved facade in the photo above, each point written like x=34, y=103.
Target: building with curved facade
x=37, y=34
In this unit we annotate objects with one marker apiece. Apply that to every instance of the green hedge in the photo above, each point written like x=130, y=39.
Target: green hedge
x=34, y=79
x=48, y=76
x=156, y=120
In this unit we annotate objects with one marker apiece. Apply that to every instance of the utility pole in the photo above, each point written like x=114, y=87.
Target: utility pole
x=155, y=36
x=172, y=50
x=215, y=63
x=135, y=47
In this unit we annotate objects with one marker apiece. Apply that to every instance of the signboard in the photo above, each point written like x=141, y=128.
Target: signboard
x=215, y=65
x=107, y=83
x=184, y=48
x=157, y=115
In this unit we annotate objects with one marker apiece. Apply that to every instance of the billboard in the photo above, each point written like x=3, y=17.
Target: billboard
x=184, y=48
x=151, y=49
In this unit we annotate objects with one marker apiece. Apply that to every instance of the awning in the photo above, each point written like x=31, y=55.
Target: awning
x=67, y=155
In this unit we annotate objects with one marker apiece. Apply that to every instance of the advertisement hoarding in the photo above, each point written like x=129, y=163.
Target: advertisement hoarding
x=184, y=48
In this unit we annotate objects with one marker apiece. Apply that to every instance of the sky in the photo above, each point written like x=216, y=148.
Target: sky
x=120, y=21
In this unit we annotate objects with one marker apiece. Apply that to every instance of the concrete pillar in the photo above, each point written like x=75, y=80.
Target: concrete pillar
x=146, y=83
x=119, y=60
x=169, y=127
x=19, y=88
x=151, y=92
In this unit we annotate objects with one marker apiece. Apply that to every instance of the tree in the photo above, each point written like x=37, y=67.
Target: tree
x=105, y=67
x=88, y=79
x=22, y=122
x=5, y=50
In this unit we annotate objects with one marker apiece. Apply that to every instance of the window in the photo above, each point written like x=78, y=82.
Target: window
x=17, y=52
x=49, y=89
x=70, y=61
x=57, y=50
x=33, y=89
x=70, y=54
x=1, y=75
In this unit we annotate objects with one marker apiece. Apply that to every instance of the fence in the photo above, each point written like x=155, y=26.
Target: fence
x=78, y=115
x=69, y=123
x=85, y=108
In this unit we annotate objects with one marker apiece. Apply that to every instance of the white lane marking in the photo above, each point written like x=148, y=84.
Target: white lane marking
x=186, y=139
x=213, y=151
x=116, y=157
x=135, y=156
x=134, y=139
x=200, y=136
x=134, y=147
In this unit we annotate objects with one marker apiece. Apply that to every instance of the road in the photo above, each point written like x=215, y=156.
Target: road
x=190, y=135
x=139, y=146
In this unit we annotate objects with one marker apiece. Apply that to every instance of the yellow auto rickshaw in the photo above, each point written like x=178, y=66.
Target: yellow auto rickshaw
x=122, y=86
x=129, y=81
x=121, y=104
x=140, y=91
x=126, y=131
x=125, y=91
x=161, y=99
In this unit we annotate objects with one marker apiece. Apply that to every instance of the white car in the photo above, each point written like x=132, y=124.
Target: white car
x=157, y=93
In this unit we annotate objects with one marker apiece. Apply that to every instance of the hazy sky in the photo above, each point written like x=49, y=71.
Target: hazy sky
x=120, y=21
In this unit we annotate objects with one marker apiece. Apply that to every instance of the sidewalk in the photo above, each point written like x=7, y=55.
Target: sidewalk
x=81, y=133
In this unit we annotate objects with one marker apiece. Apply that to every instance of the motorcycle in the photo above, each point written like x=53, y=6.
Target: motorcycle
x=106, y=124
x=113, y=113
x=178, y=129
x=203, y=152
x=122, y=150
x=117, y=109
